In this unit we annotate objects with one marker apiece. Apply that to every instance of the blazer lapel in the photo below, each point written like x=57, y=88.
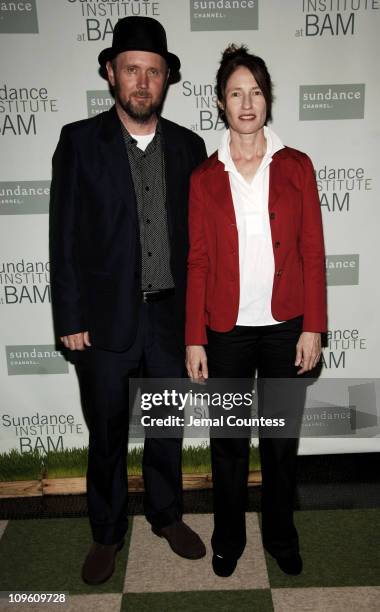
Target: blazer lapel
x=173, y=171
x=275, y=180
x=115, y=159
x=221, y=191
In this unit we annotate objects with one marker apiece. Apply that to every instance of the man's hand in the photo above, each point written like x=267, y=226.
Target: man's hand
x=76, y=342
x=196, y=363
x=308, y=351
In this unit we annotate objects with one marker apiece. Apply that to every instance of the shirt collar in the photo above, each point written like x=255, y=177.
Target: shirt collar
x=130, y=140
x=274, y=144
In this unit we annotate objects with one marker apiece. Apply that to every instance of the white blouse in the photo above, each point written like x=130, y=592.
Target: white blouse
x=256, y=259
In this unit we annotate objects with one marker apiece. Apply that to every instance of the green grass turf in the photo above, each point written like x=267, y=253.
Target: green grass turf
x=20, y=466
x=338, y=547
x=258, y=600
x=72, y=463
x=47, y=555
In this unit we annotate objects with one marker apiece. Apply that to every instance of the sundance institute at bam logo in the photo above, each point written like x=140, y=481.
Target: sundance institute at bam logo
x=20, y=108
x=318, y=102
x=335, y=17
x=100, y=16
x=19, y=17
x=209, y=15
x=35, y=359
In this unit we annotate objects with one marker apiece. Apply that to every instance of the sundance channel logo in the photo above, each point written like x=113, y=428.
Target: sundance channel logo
x=355, y=411
x=323, y=102
x=98, y=101
x=342, y=269
x=212, y=15
x=18, y=17
x=35, y=359
x=24, y=197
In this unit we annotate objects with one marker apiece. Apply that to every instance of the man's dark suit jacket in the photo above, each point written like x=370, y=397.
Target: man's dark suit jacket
x=95, y=252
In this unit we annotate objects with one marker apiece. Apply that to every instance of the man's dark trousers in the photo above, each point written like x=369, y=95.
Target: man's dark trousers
x=104, y=382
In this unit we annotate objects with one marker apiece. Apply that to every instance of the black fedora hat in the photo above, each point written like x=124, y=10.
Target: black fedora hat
x=139, y=34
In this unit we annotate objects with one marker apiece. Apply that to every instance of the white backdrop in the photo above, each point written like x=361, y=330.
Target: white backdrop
x=322, y=55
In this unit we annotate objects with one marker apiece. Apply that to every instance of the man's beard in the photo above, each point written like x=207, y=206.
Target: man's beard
x=138, y=112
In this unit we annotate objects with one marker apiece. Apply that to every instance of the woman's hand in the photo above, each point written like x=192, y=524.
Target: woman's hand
x=196, y=363
x=308, y=351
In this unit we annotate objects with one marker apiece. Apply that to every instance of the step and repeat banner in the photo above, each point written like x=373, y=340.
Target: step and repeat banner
x=323, y=58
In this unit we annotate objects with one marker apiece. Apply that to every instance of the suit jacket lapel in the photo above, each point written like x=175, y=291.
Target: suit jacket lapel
x=172, y=172
x=221, y=191
x=115, y=159
x=275, y=180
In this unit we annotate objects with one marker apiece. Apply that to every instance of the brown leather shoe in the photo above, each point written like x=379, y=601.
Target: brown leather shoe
x=99, y=564
x=182, y=540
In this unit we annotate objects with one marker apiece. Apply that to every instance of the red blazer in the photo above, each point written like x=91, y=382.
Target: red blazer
x=299, y=285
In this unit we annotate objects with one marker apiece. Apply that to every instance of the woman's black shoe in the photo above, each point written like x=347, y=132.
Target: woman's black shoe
x=291, y=564
x=223, y=566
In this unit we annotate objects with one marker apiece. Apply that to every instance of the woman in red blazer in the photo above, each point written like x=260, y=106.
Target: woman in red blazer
x=256, y=296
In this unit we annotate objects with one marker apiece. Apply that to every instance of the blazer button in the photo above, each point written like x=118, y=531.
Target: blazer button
x=277, y=244
x=278, y=273
x=272, y=215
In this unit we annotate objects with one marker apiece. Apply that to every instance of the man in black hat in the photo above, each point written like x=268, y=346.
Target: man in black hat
x=118, y=236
